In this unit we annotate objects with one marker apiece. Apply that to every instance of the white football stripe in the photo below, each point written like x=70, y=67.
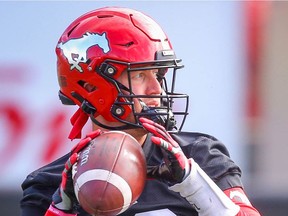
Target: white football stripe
x=104, y=175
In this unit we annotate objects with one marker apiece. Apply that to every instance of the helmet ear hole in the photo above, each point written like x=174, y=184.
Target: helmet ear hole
x=87, y=86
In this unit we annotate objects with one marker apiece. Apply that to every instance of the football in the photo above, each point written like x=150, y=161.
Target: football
x=110, y=174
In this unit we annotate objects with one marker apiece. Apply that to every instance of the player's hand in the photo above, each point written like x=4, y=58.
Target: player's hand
x=64, y=198
x=175, y=167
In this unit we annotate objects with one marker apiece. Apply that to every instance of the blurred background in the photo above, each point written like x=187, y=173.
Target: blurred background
x=236, y=74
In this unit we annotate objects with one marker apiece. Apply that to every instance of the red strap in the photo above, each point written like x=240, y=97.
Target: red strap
x=52, y=211
x=78, y=120
x=238, y=196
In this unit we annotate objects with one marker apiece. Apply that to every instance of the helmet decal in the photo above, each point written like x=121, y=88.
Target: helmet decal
x=75, y=50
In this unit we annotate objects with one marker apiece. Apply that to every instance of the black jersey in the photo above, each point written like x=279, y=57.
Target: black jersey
x=156, y=199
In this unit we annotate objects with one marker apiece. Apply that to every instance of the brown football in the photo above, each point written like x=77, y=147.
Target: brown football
x=110, y=174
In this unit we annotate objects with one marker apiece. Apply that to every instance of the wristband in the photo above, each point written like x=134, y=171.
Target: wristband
x=201, y=192
x=52, y=211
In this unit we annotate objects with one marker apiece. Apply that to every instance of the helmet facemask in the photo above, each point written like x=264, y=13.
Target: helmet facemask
x=162, y=114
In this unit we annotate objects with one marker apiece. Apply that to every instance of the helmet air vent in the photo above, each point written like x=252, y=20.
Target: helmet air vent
x=104, y=16
x=69, y=33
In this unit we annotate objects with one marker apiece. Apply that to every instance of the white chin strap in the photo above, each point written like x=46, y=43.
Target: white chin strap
x=206, y=197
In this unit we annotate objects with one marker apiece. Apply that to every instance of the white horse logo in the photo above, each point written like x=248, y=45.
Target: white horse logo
x=75, y=50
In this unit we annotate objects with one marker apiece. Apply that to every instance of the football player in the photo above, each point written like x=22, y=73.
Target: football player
x=119, y=67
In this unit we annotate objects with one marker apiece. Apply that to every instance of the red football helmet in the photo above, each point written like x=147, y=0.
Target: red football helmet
x=96, y=48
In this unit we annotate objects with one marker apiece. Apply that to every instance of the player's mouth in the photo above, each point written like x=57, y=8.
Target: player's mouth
x=152, y=104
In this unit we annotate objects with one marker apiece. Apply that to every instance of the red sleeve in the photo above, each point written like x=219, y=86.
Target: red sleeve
x=238, y=196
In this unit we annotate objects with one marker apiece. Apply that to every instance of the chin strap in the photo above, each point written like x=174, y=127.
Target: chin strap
x=80, y=117
x=78, y=120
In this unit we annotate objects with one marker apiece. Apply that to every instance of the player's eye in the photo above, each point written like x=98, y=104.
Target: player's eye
x=138, y=76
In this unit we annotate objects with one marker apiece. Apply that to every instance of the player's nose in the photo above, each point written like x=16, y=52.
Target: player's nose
x=153, y=86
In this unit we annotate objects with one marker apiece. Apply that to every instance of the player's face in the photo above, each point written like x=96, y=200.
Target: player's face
x=143, y=83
